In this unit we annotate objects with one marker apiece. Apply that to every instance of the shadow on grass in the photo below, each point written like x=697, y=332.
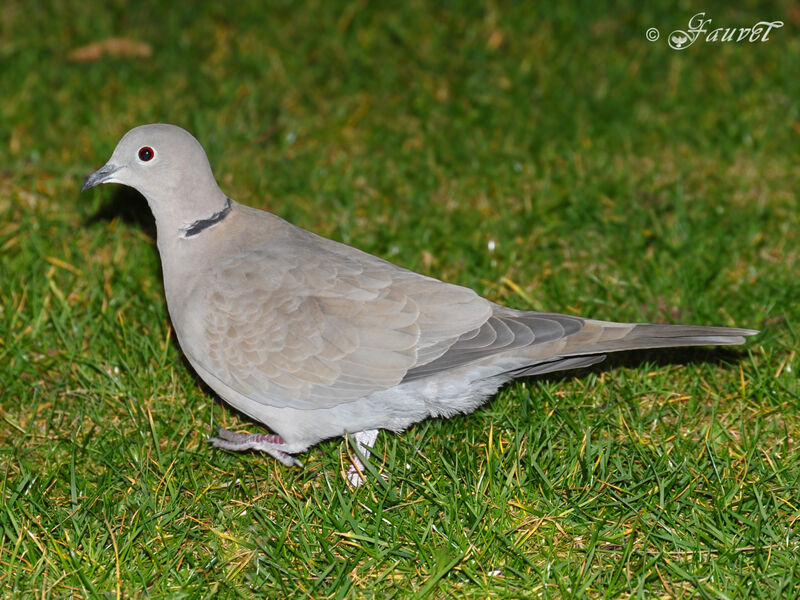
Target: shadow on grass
x=129, y=206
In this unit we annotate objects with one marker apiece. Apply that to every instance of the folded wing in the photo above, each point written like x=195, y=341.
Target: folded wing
x=313, y=329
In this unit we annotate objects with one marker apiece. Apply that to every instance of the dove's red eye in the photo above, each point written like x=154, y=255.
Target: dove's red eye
x=146, y=153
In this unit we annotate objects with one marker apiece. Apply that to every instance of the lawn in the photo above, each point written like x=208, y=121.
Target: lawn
x=550, y=158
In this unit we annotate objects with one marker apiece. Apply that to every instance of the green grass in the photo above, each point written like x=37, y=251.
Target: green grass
x=617, y=178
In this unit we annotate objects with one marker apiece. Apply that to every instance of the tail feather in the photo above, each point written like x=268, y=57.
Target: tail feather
x=645, y=335
x=561, y=364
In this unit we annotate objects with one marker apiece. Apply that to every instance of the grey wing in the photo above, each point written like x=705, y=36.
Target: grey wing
x=313, y=329
x=534, y=337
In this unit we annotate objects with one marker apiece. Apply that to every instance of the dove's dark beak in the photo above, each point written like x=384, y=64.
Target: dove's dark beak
x=102, y=175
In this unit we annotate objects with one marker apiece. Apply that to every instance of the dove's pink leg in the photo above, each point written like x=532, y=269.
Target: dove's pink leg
x=270, y=443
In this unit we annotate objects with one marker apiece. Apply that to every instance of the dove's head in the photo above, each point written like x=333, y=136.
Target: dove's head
x=169, y=167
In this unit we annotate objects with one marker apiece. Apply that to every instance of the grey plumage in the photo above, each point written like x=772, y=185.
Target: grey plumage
x=315, y=338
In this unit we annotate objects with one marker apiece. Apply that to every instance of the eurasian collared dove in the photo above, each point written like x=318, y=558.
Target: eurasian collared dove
x=317, y=339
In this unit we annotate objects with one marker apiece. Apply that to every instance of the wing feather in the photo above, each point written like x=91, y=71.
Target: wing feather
x=505, y=331
x=311, y=328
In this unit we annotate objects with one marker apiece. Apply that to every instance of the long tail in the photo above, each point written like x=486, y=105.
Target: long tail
x=618, y=337
x=590, y=345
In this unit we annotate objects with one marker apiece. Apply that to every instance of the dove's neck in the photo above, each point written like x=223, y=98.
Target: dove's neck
x=187, y=239
x=186, y=218
x=188, y=211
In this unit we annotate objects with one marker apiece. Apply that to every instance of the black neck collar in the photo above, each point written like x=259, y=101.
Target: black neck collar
x=192, y=229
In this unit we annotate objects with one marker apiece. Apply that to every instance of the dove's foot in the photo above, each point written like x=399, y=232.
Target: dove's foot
x=270, y=443
x=357, y=473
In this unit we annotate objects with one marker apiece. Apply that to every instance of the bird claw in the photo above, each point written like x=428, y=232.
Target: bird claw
x=263, y=442
x=356, y=477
